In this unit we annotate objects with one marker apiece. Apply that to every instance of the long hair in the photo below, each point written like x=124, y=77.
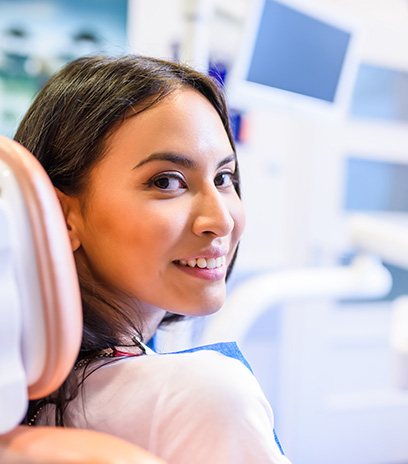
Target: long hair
x=67, y=128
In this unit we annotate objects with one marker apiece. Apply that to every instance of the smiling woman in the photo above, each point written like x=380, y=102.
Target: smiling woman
x=189, y=198
x=143, y=162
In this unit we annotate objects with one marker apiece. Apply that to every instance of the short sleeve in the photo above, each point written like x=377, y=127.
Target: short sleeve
x=216, y=412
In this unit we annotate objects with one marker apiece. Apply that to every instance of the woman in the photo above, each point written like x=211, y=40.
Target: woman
x=142, y=158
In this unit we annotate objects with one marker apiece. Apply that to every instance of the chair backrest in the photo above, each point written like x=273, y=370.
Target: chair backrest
x=40, y=308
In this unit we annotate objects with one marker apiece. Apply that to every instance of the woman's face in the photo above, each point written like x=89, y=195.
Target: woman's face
x=160, y=218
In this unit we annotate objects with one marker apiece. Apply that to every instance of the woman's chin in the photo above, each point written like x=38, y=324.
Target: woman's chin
x=194, y=303
x=198, y=310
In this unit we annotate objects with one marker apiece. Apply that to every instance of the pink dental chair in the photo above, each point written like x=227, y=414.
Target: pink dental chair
x=40, y=320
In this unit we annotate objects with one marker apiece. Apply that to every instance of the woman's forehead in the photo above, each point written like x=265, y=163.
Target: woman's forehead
x=184, y=121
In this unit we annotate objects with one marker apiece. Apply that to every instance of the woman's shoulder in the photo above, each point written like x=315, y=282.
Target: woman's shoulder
x=204, y=368
x=208, y=377
x=174, y=405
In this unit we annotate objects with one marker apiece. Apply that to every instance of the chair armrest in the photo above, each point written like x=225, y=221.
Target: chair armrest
x=51, y=445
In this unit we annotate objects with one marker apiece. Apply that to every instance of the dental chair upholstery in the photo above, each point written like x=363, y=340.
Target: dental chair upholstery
x=40, y=320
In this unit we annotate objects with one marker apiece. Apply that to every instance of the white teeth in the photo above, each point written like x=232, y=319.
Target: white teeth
x=211, y=263
x=204, y=263
x=201, y=263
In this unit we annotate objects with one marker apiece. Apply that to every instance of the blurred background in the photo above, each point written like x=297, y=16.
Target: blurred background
x=318, y=93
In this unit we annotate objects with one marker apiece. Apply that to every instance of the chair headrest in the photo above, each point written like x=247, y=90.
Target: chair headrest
x=40, y=305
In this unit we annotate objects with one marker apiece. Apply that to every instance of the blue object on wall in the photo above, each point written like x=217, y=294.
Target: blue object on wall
x=373, y=185
x=380, y=93
x=298, y=53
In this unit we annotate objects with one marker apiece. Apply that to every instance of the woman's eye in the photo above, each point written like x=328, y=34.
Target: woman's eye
x=167, y=182
x=224, y=179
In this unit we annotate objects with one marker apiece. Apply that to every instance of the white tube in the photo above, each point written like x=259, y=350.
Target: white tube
x=383, y=237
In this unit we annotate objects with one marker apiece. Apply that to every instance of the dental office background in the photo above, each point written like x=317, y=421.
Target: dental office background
x=319, y=96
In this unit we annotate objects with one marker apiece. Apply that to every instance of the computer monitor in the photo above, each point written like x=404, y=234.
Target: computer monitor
x=373, y=186
x=293, y=55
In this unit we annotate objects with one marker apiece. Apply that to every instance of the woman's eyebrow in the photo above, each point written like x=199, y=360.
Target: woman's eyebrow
x=229, y=159
x=181, y=160
x=175, y=158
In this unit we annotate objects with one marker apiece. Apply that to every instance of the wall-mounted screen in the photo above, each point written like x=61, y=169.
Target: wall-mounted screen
x=380, y=93
x=292, y=51
x=375, y=186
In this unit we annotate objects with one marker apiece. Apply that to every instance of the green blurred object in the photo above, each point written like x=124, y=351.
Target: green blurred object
x=37, y=38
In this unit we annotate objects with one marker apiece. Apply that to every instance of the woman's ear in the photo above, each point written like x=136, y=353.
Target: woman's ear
x=71, y=209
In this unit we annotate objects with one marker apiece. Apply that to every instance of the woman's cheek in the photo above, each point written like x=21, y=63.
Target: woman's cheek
x=239, y=217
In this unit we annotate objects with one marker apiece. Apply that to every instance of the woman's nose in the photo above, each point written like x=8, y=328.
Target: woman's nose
x=212, y=214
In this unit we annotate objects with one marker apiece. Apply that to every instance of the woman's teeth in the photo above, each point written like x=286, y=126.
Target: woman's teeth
x=204, y=263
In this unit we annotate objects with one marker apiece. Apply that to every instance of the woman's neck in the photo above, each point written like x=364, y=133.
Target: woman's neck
x=152, y=317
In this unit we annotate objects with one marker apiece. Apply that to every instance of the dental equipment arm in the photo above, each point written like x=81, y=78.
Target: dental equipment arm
x=388, y=239
x=366, y=277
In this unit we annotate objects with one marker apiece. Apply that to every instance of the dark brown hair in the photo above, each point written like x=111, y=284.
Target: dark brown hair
x=67, y=128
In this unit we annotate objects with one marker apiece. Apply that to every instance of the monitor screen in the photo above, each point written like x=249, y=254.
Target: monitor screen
x=380, y=93
x=292, y=50
x=375, y=186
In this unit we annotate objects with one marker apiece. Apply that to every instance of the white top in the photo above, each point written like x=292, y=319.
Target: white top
x=200, y=407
